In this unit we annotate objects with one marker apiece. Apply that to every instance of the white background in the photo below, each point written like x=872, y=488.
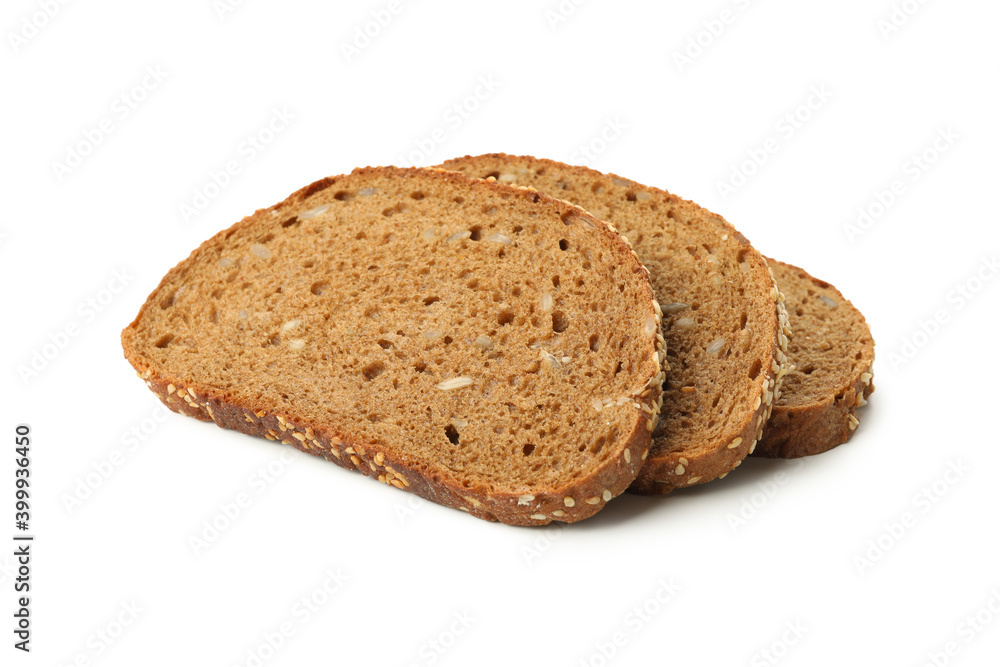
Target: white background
x=817, y=545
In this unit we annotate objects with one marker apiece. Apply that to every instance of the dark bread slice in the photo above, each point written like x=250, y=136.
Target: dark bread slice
x=724, y=322
x=832, y=351
x=430, y=330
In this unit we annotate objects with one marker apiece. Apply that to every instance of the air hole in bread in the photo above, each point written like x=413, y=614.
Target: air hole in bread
x=451, y=433
x=477, y=233
x=164, y=340
x=384, y=344
x=343, y=195
x=373, y=370
x=294, y=220
x=431, y=299
x=630, y=195
x=417, y=195
x=527, y=450
x=563, y=244
x=755, y=369
x=555, y=281
x=505, y=318
x=458, y=200
x=560, y=321
x=319, y=288
x=169, y=301
x=595, y=343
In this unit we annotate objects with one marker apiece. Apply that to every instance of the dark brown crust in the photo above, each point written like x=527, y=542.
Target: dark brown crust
x=660, y=473
x=572, y=502
x=813, y=429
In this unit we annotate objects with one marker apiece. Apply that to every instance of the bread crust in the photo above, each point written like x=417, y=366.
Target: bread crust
x=389, y=467
x=805, y=430
x=570, y=502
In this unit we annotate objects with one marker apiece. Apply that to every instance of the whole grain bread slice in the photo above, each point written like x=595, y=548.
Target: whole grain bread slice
x=724, y=322
x=832, y=350
x=486, y=347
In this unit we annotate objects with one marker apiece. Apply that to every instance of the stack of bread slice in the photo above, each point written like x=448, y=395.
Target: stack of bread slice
x=516, y=338
x=744, y=375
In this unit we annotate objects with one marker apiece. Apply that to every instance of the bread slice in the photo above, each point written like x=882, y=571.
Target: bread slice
x=832, y=351
x=485, y=347
x=724, y=322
